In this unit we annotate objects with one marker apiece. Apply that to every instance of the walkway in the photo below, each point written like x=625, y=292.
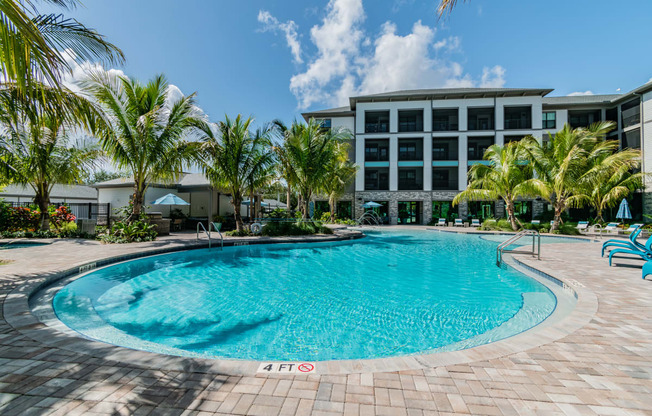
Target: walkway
x=603, y=368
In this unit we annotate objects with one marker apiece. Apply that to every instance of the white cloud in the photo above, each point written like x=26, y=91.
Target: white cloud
x=579, y=93
x=349, y=61
x=289, y=28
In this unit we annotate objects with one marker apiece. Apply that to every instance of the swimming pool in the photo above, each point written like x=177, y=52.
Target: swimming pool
x=389, y=294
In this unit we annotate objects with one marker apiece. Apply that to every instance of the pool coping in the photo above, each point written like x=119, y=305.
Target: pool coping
x=18, y=314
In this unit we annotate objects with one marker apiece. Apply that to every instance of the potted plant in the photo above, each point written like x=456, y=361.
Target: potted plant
x=217, y=221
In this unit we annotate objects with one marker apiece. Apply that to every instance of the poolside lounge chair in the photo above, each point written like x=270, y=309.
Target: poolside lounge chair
x=612, y=226
x=535, y=222
x=618, y=243
x=458, y=222
x=582, y=226
x=475, y=223
x=647, y=269
x=633, y=227
x=441, y=222
x=645, y=253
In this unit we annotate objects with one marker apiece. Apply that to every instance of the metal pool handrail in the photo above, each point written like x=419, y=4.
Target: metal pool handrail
x=502, y=246
x=218, y=232
x=208, y=234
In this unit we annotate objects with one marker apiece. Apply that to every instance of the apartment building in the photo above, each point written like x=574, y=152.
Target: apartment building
x=414, y=148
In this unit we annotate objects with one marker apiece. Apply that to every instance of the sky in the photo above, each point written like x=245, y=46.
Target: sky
x=273, y=59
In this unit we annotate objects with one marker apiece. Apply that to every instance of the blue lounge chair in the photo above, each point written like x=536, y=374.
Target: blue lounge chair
x=458, y=222
x=441, y=222
x=582, y=226
x=647, y=269
x=632, y=243
x=645, y=253
x=475, y=223
x=535, y=222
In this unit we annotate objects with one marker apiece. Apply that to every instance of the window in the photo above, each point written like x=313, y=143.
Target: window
x=482, y=209
x=344, y=210
x=632, y=139
x=376, y=179
x=376, y=150
x=376, y=122
x=445, y=178
x=583, y=118
x=549, y=120
x=410, y=120
x=481, y=118
x=518, y=118
x=477, y=147
x=522, y=210
x=442, y=209
x=410, y=179
x=444, y=148
x=325, y=124
x=445, y=119
x=410, y=149
x=631, y=113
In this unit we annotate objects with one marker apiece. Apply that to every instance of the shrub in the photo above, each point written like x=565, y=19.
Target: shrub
x=236, y=233
x=61, y=216
x=122, y=232
x=276, y=229
x=325, y=217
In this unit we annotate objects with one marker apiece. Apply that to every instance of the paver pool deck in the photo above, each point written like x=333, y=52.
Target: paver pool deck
x=599, y=362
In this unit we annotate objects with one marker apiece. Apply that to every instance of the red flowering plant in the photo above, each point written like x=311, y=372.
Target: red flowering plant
x=24, y=219
x=61, y=216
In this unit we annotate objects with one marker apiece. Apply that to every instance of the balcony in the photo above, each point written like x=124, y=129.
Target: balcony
x=583, y=118
x=376, y=179
x=376, y=150
x=376, y=122
x=477, y=147
x=631, y=113
x=410, y=149
x=482, y=118
x=410, y=179
x=518, y=118
x=410, y=120
x=445, y=148
x=445, y=120
x=632, y=139
x=445, y=178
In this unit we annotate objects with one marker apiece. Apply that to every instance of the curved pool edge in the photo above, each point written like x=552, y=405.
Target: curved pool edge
x=19, y=315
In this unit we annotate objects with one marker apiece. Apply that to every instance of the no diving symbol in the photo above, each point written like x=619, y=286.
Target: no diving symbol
x=306, y=367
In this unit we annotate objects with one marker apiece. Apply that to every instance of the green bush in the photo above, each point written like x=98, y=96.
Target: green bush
x=235, y=233
x=325, y=217
x=123, y=232
x=276, y=229
x=568, y=229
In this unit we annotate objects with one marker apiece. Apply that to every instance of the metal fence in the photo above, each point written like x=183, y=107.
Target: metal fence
x=91, y=211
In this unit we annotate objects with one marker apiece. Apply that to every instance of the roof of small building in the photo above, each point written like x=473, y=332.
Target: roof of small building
x=58, y=191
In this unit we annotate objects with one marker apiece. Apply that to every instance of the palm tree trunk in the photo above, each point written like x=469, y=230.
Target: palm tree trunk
x=305, y=200
x=288, y=201
x=236, y=201
x=559, y=208
x=138, y=201
x=331, y=202
x=510, y=214
x=42, y=199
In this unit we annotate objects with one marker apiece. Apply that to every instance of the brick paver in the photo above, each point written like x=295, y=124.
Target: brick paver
x=602, y=368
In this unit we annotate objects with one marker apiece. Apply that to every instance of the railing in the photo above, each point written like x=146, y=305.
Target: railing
x=503, y=246
x=218, y=232
x=81, y=210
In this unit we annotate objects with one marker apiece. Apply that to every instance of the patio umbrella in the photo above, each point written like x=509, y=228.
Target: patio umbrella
x=371, y=204
x=623, y=211
x=170, y=199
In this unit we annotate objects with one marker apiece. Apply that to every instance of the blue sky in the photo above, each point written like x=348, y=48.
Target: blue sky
x=260, y=57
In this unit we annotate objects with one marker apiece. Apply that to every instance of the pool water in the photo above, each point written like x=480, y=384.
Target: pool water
x=388, y=294
x=9, y=246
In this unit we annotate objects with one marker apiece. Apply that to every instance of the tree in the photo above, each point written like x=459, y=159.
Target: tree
x=36, y=148
x=148, y=127
x=446, y=6
x=305, y=154
x=506, y=177
x=610, y=179
x=562, y=164
x=339, y=172
x=236, y=160
x=39, y=48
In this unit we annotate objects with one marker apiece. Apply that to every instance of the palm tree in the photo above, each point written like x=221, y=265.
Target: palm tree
x=611, y=179
x=236, y=160
x=340, y=171
x=446, y=6
x=563, y=163
x=305, y=154
x=506, y=177
x=38, y=48
x=149, y=125
x=36, y=148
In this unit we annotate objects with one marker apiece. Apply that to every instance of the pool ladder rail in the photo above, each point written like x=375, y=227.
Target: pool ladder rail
x=536, y=236
x=208, y=233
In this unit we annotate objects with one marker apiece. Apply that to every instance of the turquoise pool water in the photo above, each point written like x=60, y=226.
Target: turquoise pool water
x=391, y=293
x=9, y=246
